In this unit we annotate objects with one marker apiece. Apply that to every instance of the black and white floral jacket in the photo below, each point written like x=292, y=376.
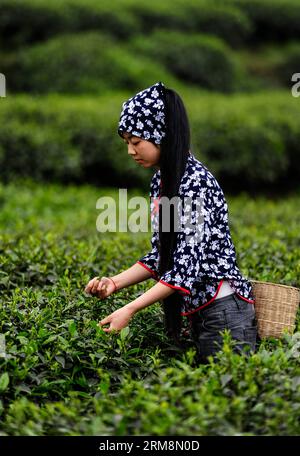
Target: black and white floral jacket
x=200, y=267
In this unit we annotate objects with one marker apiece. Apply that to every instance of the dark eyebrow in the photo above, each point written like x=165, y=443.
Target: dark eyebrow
x=125, y=139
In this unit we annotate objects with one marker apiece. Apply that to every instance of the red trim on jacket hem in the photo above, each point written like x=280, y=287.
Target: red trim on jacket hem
x=148, y=269
x=251, y=301
x=206, y=304
x=211, y=300
x=173, y=286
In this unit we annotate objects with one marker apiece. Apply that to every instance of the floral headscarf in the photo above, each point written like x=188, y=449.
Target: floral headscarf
x=143, y=114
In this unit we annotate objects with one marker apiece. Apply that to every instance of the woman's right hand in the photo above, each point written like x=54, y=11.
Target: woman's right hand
x=101, y=287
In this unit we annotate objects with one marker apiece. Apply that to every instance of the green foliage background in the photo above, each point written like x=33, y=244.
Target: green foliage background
x=69, y=65
x=65, y=376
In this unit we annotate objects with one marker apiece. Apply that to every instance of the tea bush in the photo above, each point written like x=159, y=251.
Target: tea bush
x=198, y=16
x=289, y=63
x=273, y=20
x=236, y=21
x=79, y=63
x=43, y=47
x=250, y=142
x=31, y=21
x=203, y=60
x=62, y=375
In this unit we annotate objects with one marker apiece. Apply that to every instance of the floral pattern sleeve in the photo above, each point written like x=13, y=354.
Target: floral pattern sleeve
x=150, y=260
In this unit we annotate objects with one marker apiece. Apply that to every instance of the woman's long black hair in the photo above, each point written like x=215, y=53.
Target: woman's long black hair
x=175, y=148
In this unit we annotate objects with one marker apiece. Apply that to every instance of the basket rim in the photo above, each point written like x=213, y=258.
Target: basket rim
x=276, y=284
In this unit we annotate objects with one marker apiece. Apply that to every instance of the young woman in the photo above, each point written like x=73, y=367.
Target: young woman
x=195, y=269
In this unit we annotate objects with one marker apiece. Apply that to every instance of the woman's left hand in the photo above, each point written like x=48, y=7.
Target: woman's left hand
x=118, y=319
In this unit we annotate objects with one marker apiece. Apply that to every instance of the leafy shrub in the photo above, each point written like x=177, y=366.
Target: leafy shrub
x=198, y=59
x=249, y=142
x=63, y=140
x=26, y=144
x=235, y=21
x=200, y=16
x=29, y=21
x=64, y=376
x=273, y=20
x=261, y=67
x=90, y=62
x=290, y=63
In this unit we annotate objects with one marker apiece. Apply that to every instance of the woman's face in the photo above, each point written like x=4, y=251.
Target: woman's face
x=144, y=152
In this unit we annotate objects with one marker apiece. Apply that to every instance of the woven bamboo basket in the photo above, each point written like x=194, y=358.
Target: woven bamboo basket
x=276, y=307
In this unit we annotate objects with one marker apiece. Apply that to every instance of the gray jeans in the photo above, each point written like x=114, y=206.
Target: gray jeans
x=229, y=312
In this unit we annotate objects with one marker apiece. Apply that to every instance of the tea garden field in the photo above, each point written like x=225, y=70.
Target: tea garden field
x=60, y=374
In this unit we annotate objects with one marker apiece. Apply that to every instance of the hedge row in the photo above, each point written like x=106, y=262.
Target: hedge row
x=63, y=139
x=272, y=20
x=79, y=63
x=290, y=63
x=199, y=59
x=247, y=140
x=28, y=21
x=92, y=63
x=236, y=21
x=200, y=16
